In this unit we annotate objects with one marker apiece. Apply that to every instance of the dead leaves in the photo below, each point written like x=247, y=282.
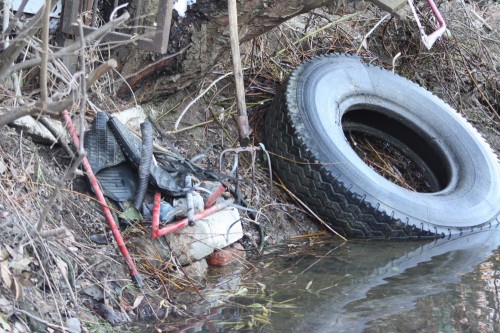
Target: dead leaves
x=5, y=274
x=13, y=267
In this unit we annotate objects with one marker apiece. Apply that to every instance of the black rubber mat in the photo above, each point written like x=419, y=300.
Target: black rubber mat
x=102, y=149
x=118, y=182
x=116, y=178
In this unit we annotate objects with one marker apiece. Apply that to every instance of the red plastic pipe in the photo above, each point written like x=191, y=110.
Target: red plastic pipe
x=214, y=196
x=184, y=222
x=100, y=197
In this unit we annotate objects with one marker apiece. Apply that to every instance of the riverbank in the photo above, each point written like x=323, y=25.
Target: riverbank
x=61, y=276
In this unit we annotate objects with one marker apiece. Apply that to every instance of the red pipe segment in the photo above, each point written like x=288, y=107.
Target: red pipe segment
x=184, y=222
x=100, y=197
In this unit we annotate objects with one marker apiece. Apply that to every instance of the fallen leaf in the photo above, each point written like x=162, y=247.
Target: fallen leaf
x=137, y=301
x=3, y=322
x=22, y=264
x=4, y=254
x=18, y=289
x=5, y=305
x=5, y=274
x=3, y=166
x=10, y=250
x=131, y=214
x=63, y=266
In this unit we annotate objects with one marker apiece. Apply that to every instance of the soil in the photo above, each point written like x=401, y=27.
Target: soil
x=71, y=272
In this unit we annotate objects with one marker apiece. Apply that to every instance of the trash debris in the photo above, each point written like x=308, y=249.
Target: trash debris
x=167, y=212
x=210, y=233
x=116, y=155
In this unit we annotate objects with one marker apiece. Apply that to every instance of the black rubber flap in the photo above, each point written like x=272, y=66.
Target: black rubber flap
x=118, y=182
x=101, y=146
x=131, y=146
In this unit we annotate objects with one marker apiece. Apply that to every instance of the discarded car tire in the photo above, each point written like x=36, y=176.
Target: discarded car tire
x=329, y=95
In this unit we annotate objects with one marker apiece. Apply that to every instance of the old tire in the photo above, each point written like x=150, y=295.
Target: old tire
x=327, y=93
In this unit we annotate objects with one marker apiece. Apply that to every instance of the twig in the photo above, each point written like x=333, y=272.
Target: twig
x=195, y=125
x=371, y=31
x=45, y=53
x=32, y=316
x=55, y=233
x=326, y=26
x=54, y=108
x=197, y=98
x=90, y=38
x=394, y=61
x=59, y=136
x=322, y=257
x=83, y=87
x=9, y=55
x=100, y=71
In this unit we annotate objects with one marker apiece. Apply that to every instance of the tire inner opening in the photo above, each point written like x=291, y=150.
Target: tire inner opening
x=395, y=151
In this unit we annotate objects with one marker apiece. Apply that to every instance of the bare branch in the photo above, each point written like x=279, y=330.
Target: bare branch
x=9, y=55
x=89, y=39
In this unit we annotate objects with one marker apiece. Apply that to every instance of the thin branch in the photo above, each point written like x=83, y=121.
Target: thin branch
x=371, y=31
x=198, y=97
x=45, y=53
x=83, y=86
x=32, y=316
x=54, y=108
x=9, y=55
x=70, y=49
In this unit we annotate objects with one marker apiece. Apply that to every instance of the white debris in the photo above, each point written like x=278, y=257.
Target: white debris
x=181, y=6
x=211, y=233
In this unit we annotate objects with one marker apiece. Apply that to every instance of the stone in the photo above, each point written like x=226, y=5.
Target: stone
x=74, y=325
x=193, y=243
x=196, y=270
x=37, y=131
x=227, y=255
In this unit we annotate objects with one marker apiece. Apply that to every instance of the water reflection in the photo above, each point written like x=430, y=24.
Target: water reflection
x=448, y=285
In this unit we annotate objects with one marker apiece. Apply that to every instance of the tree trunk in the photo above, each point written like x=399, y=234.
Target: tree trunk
x=199, y=41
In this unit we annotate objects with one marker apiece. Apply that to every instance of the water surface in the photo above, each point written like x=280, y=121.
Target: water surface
x=448, y=285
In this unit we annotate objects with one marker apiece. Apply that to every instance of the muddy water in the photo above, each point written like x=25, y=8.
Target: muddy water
x=450, y=285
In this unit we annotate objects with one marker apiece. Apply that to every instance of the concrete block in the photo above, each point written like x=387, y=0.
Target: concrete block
x=209, y=234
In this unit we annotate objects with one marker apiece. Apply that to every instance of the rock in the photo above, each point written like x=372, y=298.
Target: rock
x=196, y=270
x=38, y=132
x=73, y=324
x=227, y=255
x=131, y=118
x=194, y=243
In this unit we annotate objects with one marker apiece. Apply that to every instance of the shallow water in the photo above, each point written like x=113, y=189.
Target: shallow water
x=450, y=285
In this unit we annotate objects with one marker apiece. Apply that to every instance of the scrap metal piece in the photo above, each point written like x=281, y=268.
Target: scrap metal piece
x=430, y=39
